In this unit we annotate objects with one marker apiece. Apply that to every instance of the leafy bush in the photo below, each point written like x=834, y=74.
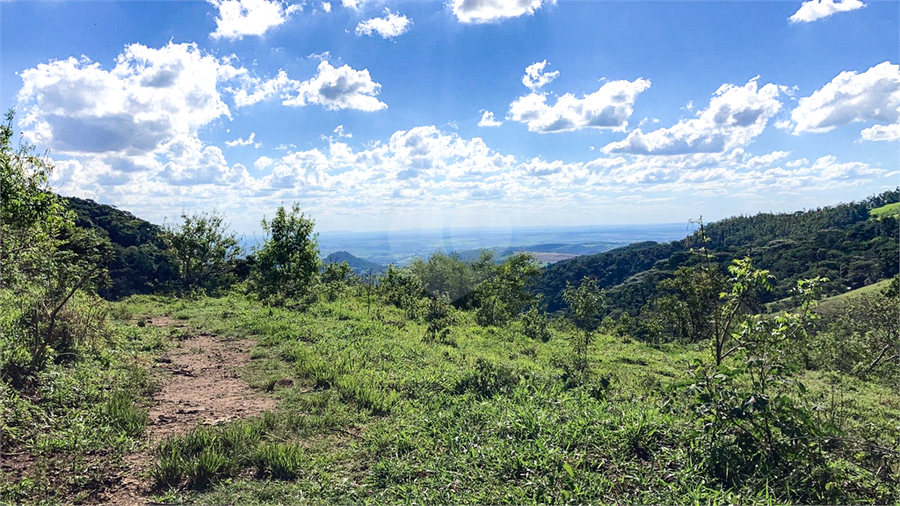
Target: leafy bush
x=440, y=317
x=47, y=262
x=752, y=423
x=488, y=379
x=534, y=321
x=201, y=248
x=504, y=293
x=864, y=345
x=287, y=263
x=401, y=289
x=586, y=302
x=450, y=275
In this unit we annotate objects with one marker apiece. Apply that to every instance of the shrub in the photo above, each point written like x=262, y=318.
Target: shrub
x=202, y=250
x=534, y=322
x=488, y=379
x=288, y=261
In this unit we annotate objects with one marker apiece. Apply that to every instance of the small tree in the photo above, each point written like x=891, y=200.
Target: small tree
x=534, y=321
x=336, y=277
x=586, y=303
x=46, y=262
x=444, y=274
x=752, y=418
x=505, y=293
x=202, y=249
x=288, y=261
x=401, y=289
x=440, y=318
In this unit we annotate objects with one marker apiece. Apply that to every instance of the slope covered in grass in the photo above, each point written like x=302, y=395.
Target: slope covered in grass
x=375, y=413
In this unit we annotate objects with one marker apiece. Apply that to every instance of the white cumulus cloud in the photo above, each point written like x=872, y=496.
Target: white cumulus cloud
x=812, y=10
x=151, y=97
x=735, y=116
x=136, y=122
x=332, y=88
x=240, y=18
x=486, y=11
x=388, y=27
x=609, y=107
x=487, y=120
x=881, y=133
x=339, y=88
x=244, y=142
x=263, y=162
x=535, y=77
x=262, y=90
x=851, y=97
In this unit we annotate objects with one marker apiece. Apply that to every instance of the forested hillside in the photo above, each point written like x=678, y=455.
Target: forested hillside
x=139, y=263
x=842, y=243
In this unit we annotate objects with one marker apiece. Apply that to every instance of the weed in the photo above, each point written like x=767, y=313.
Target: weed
x=122, y=414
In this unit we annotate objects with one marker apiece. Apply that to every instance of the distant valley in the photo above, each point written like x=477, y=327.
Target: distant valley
x=548, y=245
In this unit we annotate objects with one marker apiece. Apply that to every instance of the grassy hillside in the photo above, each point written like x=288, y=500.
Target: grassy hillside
x=886, y=210
x=375, y=413
x=834, y=304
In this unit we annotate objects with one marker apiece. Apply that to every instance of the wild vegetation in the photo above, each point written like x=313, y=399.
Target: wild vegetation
x=454, y=381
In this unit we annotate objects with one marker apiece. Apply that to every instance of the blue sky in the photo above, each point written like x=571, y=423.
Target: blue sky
x=377, y=115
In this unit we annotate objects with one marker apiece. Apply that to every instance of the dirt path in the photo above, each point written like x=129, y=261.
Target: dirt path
x=201, y=385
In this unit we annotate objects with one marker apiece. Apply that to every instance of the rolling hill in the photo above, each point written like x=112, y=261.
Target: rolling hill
x=842, y=243
x=359, y=265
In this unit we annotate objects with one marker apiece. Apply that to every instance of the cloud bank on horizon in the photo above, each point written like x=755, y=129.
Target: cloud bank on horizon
x=338, y=106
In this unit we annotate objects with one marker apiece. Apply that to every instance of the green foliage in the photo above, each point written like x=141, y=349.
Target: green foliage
x=440, y=317
x=47, y=262
x=864, y=345
x=752, y=419
x=206, y=454
x=281, y=461
x=840, y=243
x=139, y=264
x=335, y=278
x=504, y=294
x=887, y=210
x=288, y=261
x=401, y=289
x=586, y=303
x=696, y=304
x=121, y=413
x=534, y=321
x=488, y=378
x=201, y=248
x=450, y=275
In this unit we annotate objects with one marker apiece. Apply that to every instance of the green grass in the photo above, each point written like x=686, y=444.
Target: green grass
x=886, y=211
x=375, y=413
x=369, y=411
x=833, y=305
x=79, y=419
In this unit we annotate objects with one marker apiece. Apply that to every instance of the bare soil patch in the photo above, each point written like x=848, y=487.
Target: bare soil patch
x=201, y=385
